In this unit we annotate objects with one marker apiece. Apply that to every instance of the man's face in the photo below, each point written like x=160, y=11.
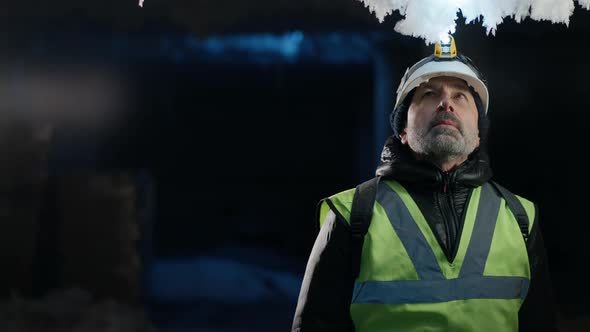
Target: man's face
x=442, y=120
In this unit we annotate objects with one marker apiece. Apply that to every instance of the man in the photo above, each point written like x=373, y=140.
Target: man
x=439, y=246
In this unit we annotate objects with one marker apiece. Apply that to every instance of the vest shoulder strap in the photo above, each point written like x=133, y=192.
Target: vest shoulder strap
x=516, y=207
x=361, y=213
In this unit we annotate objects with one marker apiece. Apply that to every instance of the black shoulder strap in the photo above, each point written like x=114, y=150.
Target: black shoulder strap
x=516, y=207
x=361, y=213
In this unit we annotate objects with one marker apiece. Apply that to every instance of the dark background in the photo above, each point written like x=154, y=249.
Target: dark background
x=245, y=114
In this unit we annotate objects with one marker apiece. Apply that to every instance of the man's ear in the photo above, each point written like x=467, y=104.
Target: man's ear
x=403, y=137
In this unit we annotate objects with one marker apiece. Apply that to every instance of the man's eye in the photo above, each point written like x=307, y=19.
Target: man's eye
x=428, y=93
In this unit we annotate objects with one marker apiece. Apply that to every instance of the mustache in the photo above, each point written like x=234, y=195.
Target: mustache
x=447, y=116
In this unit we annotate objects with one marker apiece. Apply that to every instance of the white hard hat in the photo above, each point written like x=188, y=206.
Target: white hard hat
x=444, y=62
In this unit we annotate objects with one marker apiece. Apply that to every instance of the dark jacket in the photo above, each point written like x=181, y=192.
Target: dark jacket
x=324, y=300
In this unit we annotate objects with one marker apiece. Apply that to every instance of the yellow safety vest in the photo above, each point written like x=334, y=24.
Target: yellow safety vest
x=406, y=282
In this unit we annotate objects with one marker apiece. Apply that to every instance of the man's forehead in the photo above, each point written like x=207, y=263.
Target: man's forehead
x=437, y=82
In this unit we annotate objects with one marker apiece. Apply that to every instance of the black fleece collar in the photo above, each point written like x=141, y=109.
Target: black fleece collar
x=398, y=163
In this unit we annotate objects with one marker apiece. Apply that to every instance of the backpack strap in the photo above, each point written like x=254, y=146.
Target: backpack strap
x=361, y=213
x=516, y=207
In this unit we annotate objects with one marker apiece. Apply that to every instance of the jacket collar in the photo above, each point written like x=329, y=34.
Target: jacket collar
x=398, y=163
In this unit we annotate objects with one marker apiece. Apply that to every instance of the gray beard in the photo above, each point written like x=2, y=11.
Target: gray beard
x=442, y=144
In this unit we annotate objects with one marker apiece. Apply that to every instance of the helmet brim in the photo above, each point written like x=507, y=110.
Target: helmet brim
x=443, y=68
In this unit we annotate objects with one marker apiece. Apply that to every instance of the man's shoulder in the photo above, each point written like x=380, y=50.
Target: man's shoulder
x=529, y=205
x=344, y=196
x=340, y=203
x=517, y=193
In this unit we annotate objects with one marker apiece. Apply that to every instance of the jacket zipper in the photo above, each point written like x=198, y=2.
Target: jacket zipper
x=449, y=216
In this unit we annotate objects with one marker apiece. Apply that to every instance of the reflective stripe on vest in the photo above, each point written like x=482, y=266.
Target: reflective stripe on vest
x=432, y=286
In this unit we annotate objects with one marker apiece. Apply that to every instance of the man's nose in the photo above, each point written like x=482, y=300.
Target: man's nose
x=445, y=103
